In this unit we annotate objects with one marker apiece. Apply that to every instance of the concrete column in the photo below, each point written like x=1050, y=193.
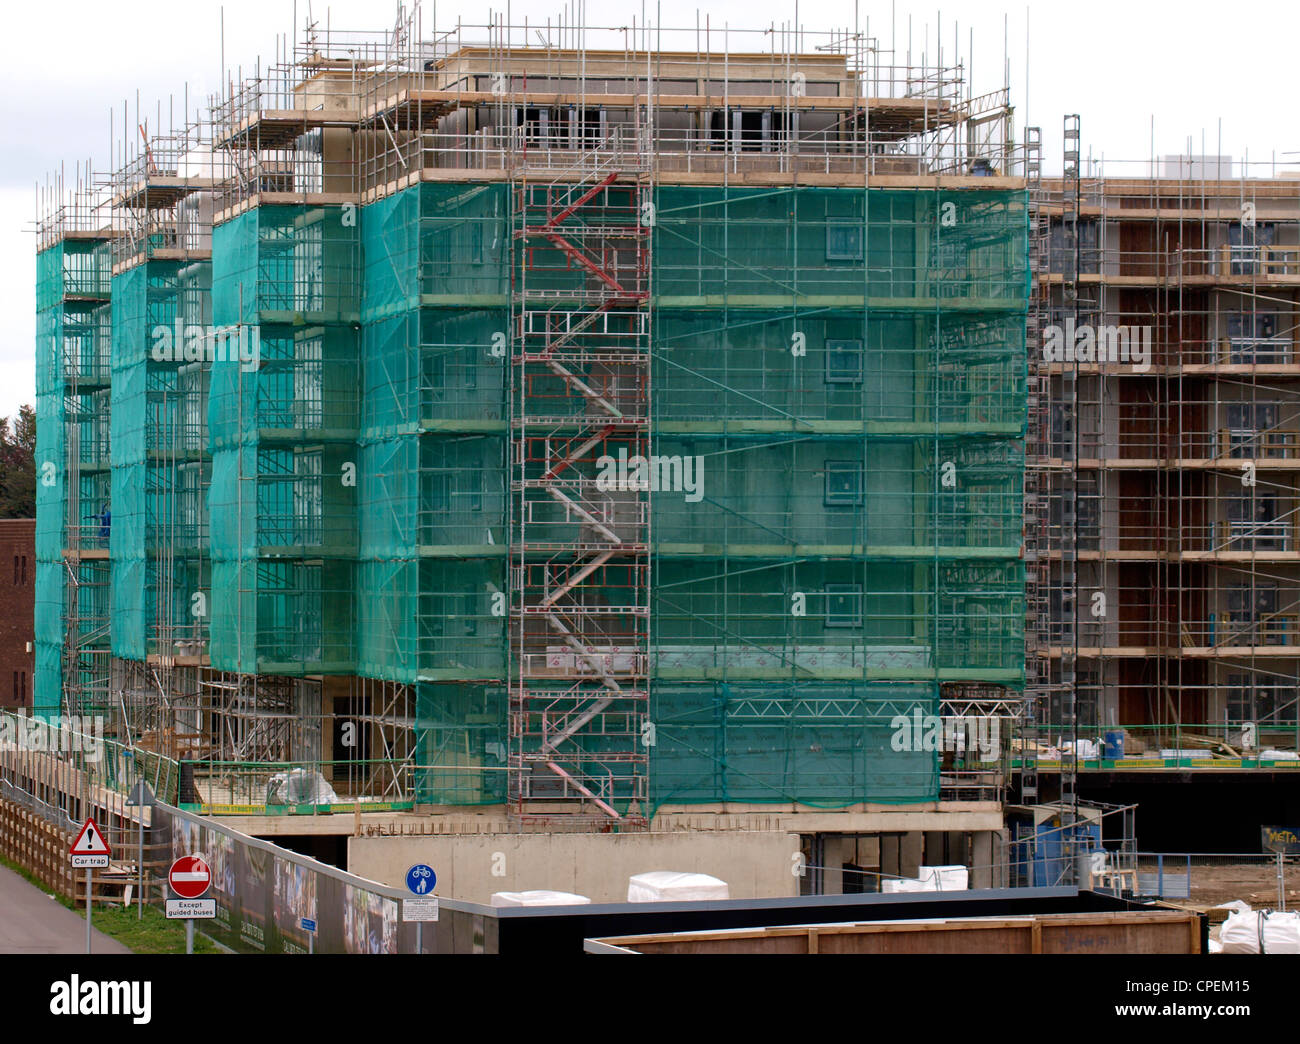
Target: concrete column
x=833, y=854
x=935, y=851
x=889, y=855
x=909, y=853
x=981, y=875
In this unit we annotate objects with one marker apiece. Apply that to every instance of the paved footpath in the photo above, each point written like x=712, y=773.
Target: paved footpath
x=32, y=922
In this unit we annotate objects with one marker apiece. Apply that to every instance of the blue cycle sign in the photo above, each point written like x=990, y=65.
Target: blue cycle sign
x=420, y=879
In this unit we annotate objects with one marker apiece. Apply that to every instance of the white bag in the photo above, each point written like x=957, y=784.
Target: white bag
x=1240, y=932
x=1260, y=931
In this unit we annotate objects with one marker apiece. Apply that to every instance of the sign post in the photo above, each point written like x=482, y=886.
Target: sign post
x=89, y=850
x=1283, y=841
x=141, y=797
x=420, y=880
x=190, y=877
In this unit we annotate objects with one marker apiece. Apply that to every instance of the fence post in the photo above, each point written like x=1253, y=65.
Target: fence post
x=1160, y=875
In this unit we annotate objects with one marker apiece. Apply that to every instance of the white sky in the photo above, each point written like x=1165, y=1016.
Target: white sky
x=1221, y=76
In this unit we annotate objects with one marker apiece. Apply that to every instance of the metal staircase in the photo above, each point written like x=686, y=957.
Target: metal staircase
x=579, y=389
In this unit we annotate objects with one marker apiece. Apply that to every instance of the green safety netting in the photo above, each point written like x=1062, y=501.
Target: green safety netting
x=282, y=420
x=814, y=743
x=846, y=365
x=161, y=312
x=51, y=479
x=73, y=268
x=73, y=339
x=432, y=445
x=461, y=737
x=817, y=744
x=835, y=247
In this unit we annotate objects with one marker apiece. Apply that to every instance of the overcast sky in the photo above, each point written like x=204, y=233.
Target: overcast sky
x=1222, y=77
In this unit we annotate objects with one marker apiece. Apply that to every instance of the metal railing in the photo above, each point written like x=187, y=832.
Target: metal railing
x=1272, y=742
x=1214, y=877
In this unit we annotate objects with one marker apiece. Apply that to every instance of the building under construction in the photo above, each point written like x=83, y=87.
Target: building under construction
x=1163, y=458
x=591, y=426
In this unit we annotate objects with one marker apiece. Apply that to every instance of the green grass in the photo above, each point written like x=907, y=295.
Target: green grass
x=151, y=934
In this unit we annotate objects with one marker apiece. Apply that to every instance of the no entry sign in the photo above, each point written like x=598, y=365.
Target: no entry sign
x=189, y=877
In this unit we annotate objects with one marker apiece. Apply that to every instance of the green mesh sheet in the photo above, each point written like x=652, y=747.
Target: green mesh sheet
x=824, y=247
x=849, y=368
x=432, y=447
x=72, y=354
x=72, y=268
x=51, y=470
x=817, y=744
x=460, y=733
x=47, y=679
x=826, y=745
x=282, y=429
x=161, y=314
x=436, y=245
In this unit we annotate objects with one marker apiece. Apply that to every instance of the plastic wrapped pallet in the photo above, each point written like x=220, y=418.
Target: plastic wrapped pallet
x=946, y=878
x=538, y=897
x=930, y=879
x=905, y=884
x=670, y=886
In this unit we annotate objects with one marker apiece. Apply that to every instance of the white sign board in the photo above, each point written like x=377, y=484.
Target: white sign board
x=178, y=909
x=89, y=849
x=425, y=909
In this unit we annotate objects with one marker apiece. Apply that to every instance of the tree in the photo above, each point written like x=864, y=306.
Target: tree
x=18, y=465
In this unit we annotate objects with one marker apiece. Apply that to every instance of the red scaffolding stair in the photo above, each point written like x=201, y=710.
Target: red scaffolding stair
x=579, y=545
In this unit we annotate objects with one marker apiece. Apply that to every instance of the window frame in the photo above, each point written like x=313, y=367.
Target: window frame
x=842, y=621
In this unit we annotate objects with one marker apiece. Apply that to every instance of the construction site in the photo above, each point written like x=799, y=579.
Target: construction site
x=1161, y=490
x=675, y=436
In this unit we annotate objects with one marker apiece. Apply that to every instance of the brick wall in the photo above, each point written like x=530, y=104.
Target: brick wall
x=17, y=587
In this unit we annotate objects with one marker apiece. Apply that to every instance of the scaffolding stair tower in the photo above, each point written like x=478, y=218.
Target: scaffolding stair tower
x=579, y=500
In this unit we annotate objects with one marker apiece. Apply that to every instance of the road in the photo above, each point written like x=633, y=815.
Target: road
x=32, y=922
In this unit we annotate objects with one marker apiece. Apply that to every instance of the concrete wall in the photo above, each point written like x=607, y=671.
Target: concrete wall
x=754, y=864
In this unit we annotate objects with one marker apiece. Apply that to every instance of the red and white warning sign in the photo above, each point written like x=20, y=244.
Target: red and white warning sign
x=89, y=849
x=189, y=877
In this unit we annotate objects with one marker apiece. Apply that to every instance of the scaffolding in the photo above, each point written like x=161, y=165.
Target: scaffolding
x=580, y=547
x=1165, y=459
x=635, y=419
x=74, y=239
x=162, y=193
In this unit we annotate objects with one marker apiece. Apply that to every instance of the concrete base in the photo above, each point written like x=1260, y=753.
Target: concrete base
x=471, y=867
x=947, y=817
